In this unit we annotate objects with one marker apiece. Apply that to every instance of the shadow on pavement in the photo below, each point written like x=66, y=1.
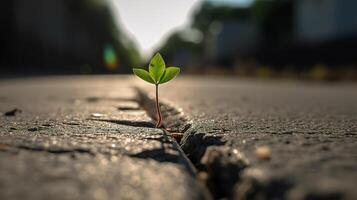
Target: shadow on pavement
x=128, y=122
x=160, y=155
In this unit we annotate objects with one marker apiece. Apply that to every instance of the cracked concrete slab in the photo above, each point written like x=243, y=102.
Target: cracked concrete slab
x=86, y=138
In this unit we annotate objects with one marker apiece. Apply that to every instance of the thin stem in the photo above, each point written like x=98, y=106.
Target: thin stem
x=159, y=117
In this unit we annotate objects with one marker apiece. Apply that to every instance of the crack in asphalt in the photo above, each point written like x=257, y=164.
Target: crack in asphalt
x=224, y=170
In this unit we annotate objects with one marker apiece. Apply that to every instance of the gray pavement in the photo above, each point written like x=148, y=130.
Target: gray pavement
x=298, y=139
x=86, y=138
x=91, y=137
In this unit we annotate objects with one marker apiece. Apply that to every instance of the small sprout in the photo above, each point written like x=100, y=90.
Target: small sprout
x=157, y=74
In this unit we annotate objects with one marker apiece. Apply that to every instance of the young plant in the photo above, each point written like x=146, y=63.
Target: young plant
x=157, y=74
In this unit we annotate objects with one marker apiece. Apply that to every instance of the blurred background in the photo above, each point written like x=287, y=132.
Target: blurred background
x=308, y=39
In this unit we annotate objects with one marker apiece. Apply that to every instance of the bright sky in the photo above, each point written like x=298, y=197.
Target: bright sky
x=150, y=22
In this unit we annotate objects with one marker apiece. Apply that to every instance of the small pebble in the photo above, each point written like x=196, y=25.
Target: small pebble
x=203, y=177
x=97, y=115
x=263, y=152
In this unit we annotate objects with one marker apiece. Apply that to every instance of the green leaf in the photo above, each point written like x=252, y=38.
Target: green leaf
x=157, y=67
x=170, y=73
x=143, y=74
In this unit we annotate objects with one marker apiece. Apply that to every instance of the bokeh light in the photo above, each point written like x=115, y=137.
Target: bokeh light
x=110, y=58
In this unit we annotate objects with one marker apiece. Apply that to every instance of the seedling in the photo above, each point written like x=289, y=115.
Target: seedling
x=157, y=74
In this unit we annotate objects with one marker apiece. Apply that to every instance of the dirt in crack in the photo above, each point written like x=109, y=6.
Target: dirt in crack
x=218, y=166
x=223, y=169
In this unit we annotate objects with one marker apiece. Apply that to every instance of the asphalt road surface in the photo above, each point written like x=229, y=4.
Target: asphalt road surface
x=85, y=137
x=299, y=137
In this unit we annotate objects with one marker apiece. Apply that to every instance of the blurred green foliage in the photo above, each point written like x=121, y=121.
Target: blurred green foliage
x=98, y=13
x=63, y=37
x=208, y=13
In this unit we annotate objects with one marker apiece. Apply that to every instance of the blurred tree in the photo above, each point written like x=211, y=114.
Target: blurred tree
x=184, y=51
x=63, y=36
x=181, y=50
x=276, y=19
x=97, y=13
x=208, y=13
x=5, y=31
x=266, y=34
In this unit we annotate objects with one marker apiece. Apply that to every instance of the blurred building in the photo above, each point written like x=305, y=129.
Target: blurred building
x=60, y=37
x=277, y=33
x=324, y=20
x=232, y=37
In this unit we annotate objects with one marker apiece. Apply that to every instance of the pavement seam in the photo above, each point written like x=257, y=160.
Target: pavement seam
x=224, y=171
x=174, y=122
x=188, y=164
x=197, y=147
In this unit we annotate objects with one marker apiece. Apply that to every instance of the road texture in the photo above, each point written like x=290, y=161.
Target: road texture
x=270, y=139
x=86, y=138
x=92, y=137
